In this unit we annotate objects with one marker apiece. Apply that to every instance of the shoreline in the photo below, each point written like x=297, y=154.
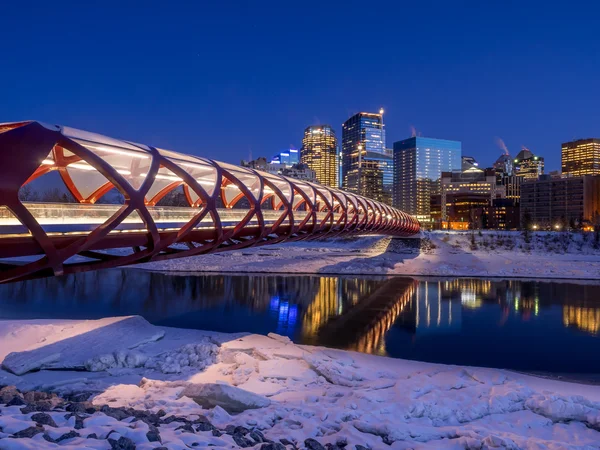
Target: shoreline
x=298, y=396
x=499, y=255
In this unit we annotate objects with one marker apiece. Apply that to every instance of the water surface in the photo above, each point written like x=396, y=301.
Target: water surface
x=523, y=325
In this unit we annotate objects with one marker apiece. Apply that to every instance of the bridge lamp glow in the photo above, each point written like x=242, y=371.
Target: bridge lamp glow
x=535, y=227
x=557, y=226
x=81, y=166
x=131, y=153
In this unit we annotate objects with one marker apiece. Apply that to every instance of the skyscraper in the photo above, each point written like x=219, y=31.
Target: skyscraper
x=581, y=157
x=319, y=153
x=528, y=165
x=287, y=157
x=418, y=166
x=367, y=166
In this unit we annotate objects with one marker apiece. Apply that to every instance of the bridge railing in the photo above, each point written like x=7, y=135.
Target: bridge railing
x=228, y=207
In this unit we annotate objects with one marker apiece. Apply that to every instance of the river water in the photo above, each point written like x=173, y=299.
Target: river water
x=536, y=326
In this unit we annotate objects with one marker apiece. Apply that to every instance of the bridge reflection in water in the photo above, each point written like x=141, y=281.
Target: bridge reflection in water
x=367, y=314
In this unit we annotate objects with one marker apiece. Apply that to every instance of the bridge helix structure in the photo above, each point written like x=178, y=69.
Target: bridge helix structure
x=227, y=207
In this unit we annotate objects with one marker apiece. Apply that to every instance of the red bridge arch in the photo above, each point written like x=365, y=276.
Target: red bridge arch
x=72, y=237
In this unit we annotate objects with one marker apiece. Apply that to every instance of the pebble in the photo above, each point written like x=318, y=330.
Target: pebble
x=273, y=446
x=43, y=419
x=29, y=432
x=313, y=444
x=122, y=444
x=242, y=440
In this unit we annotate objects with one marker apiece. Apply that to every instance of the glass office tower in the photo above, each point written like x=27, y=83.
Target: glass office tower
x=418, y=166
x=287, y=157
x=367, y=166
x=319, y=153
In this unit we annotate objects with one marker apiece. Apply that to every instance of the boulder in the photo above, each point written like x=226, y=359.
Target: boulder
x=230, y=398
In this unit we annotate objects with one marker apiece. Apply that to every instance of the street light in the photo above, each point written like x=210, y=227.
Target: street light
x=557, y=226
x=535, y=227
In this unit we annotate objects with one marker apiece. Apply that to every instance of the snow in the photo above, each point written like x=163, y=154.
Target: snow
x=489, y=253
x=295, y=392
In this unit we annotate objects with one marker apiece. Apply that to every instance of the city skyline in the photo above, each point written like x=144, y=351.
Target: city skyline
x=201, y=85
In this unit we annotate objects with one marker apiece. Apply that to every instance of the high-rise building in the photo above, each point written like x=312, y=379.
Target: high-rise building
x=287, y=157
x=554, y=203
x=581, y=157
x=528, y=165
x=462, y=194
x=367, y=166
x=418, y=166
x=503, y=167
x=319, y=153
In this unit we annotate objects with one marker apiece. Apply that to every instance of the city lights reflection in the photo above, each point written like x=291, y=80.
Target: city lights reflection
x=458, y=321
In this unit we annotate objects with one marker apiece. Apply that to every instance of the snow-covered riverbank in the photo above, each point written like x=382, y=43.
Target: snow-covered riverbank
x=288, y=393
x=486, y=254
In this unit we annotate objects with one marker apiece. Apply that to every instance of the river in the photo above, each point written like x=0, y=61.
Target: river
x=534, y=326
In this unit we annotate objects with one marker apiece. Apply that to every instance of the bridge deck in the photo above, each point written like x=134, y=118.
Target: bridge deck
x=74, y=218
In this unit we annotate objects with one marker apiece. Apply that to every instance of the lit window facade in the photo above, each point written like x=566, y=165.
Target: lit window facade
x=287, y=157
x=418, y=166
x=367, y=166
x=581, y=157
x=319, y=153
x=528, y=165
x=552, y=202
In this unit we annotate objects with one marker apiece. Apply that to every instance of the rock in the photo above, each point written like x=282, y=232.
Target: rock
x=313, y=444
x=241, y=430
x=78, y=422
x=285, y=441
x=153, y=435
x=116, y=413
x=44, y=405
x=29, y=432
x=70, y=435
x=257, y=436
x=48, y=438
x=273, y=446
x=204, y=426
x=242, y=440
x=230, y=398
x=78, y=397
x=28, y=409
x=17, y=400
x=360, y=447
x=170, y=419
x=186, y=427
x=43, y=419
x=216, y=433
x=79, y=408
x=8, y=392
x=229, y=429
x=92, y=436
x=122, y=444
x=35, y=396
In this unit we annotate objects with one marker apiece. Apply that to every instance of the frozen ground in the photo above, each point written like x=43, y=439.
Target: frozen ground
x=490, y=254
x=191, y=384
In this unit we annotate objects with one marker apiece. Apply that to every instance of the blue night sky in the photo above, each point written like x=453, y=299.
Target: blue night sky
x=219, y=79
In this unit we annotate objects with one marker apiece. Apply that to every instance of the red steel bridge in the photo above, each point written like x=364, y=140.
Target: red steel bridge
x=228, y=207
